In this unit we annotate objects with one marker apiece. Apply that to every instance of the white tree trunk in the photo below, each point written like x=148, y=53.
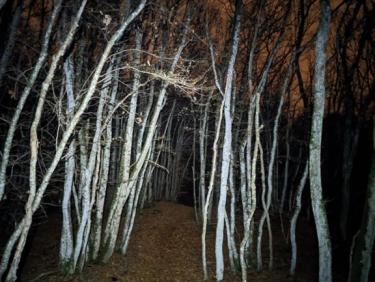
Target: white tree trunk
x=123, y=190
x=12, y=274
x=320, y=216
x=271, y=163
x=115, y=213
x=293, y=221
x=87, y=197
x=252, y=196
x=226, y=154
x=25, y=94
x=202, y=154
x=210, y=188
x=66, y=241
x=101, y=195
x=232, y=221
x=248, y=167
x=24, y=225
x=266, y=217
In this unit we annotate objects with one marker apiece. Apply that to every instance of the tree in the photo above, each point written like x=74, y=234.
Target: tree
x=227, y=146
x=320, y=216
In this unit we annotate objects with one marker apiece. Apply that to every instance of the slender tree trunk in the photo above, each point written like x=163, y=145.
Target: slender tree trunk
x=270, y=176
x=25, y=94
x=266, y=217
x=128, y=180
x=320, y=216
x=66, y=242
x=123, y=189
x=24, y=225
x=12, y=274
x=252, y=194
x=87, y=197
x=100, y=200
x=265, y=214
x=293, y=221
x=286, y=171
x=232, y=221
x=210, y=188
x=226, y=154
x=202, y=154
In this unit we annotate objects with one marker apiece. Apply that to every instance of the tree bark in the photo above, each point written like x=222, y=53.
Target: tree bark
x=25, y=94
x=293, y=221
x=25, y=223
x=320, y=216
x=226, y=154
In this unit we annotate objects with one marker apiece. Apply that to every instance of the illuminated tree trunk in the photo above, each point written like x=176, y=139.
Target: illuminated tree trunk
x=122, y=190
x=66, y=241
x=320, y=216
x=264, y=206
x=140, y=141
x=265, y=214
x=226, y=153
x=247, y=195
x=21, y=231
x=25, y=94
x=129, y=178
x=252, y=193
x=89, y=172
x=202, y=154
x=101, y=195
x=231, y=239
x=210, y=188
x=267, y=204
x=293, y=221
x=286, y=171
x=34, y=194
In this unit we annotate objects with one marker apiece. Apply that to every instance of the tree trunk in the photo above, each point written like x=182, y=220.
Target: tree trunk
x=252, y=193
x=227, y=147
x=210, y=188
x=66, y=242
x=25, y=94
x=320, y=216
x=24, y=225
x=293, y=221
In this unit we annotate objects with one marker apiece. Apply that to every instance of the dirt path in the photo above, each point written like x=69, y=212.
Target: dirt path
x=165, y=246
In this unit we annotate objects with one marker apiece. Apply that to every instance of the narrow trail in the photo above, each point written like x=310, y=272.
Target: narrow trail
x=165, y=246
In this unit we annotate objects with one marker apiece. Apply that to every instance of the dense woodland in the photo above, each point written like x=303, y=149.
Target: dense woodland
x=258, y=113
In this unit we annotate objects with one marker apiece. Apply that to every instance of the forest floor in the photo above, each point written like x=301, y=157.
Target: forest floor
x=165, y=246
